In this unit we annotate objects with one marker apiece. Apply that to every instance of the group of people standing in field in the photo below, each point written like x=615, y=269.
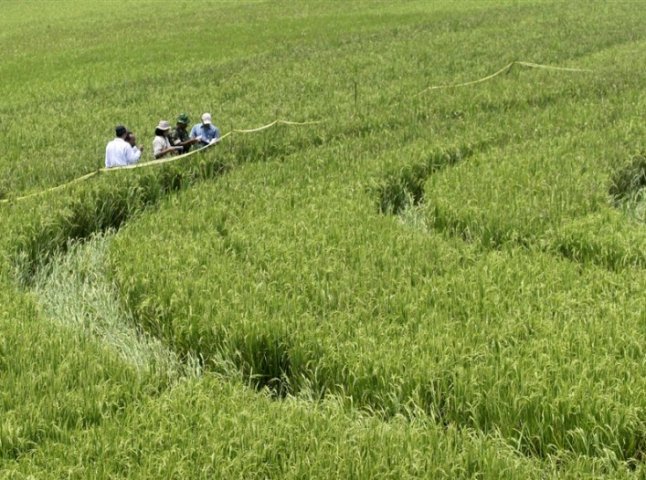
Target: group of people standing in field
x=123, y=150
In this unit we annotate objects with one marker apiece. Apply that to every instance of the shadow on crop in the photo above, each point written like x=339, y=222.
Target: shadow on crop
x=266, y=363
x=404, y=187
x=628, y=184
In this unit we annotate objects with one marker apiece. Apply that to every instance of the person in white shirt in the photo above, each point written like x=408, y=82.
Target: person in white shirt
x=118, y=152
x=161, y=144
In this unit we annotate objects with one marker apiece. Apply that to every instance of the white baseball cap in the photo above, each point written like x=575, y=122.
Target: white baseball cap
x=206, y=118
x=163, y=125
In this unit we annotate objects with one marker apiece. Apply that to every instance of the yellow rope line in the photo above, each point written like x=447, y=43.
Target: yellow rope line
x=153, y=162
x=193, y=152
x=284, y=122
x=500, y=72
x=550, y=67
x=58, y=187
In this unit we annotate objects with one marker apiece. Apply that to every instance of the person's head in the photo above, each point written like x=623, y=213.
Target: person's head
x=163, y=129
x=206, y=119
x=131, y=139
x=183, y=121
x=121, y=131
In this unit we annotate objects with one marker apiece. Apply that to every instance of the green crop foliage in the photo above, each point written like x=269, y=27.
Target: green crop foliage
x=349, y=303
x=429, y=283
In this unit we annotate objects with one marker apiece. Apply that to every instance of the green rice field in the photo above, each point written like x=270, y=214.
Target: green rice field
x=412, y=282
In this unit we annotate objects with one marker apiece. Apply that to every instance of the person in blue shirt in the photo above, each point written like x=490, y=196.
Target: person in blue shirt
x=206, y=133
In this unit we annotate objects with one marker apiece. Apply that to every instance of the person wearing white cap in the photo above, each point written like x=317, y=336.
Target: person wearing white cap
x=206, y=133
x=161, y=144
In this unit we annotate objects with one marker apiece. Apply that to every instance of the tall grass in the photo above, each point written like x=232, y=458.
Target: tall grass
x=212, y=428
x=499, y=338
x=508, y=341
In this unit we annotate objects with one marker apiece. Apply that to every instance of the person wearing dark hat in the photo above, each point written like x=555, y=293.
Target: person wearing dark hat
x=119, y=152
x=161, y=144
x=179, y=136
x=205, y=133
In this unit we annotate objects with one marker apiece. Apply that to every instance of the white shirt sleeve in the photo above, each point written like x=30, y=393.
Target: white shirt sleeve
x=133, y=154
x=108, y=157
x=159, y=143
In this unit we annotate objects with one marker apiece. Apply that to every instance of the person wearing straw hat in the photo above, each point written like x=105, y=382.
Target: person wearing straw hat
x=179, y=135
x=205, y=133
x=119, y=152
x=161, y=144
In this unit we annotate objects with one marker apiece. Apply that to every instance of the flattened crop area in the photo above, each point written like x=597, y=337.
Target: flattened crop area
x=429, y=283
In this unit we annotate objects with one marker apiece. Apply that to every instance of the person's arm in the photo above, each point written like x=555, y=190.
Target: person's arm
x=171, y=149
x=190, y=141
x=108, y=157
x=185, y=143
x=133, y=154
x=216, y=138
x=195, y=135
x=160, y=149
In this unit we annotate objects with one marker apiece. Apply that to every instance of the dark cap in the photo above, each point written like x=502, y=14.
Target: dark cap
x=183, y=119
x=120, y=130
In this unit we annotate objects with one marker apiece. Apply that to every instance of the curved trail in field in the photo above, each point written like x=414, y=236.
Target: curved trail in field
x=156, y=162
x=74, y=290
x=180, y=157
x=87, y=176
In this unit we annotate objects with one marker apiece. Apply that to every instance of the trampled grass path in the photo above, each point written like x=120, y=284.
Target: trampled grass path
x=160, y=161
x=152, y=163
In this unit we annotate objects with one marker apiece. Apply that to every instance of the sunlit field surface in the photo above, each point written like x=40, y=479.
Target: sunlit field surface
x=427, y=283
